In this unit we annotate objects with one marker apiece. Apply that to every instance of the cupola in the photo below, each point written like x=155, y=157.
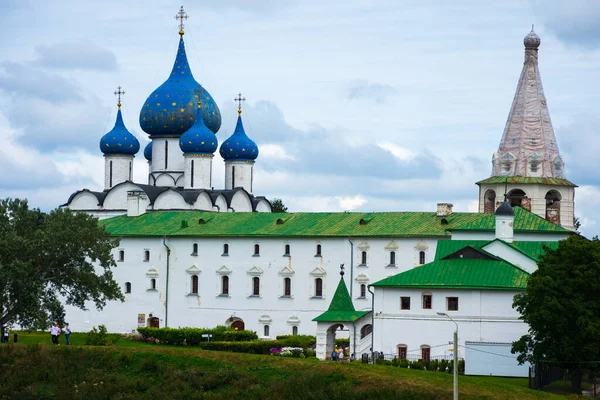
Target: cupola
x=198, y=139
x=148, y=152
x=119, y=140
x=239, y=146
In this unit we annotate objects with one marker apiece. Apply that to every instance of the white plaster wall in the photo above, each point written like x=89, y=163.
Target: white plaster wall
x=202, y=172
x=116, y=199
x=203, y=202
x=170, y=200
x=121, y=166
x=221, y=203
x=511, y=255
x=240, y=202
x=263, y=206
x=84, y=201
x=243, y=174
x=166, y=179
x=175, y=159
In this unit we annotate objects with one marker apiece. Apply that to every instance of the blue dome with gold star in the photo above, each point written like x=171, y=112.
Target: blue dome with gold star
x=148, y=151
x=119, y=140
x=239, y=146
x=171, y=109
x=198, y=139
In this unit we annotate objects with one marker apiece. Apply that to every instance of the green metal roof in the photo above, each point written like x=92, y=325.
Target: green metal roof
x=527, y=180
x=533, y=250
x=525, y=221
x=341, y=308
x=380, y=224
x=461, y=273
x=446, y=247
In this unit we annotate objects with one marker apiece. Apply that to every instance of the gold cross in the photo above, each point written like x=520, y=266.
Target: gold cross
x=239, y=100
x=181, y=15
x=119, y=93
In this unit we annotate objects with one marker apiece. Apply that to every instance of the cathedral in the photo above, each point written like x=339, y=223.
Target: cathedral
x=193, y=255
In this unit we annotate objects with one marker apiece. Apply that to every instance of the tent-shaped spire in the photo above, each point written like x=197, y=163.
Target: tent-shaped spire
x=341, y=308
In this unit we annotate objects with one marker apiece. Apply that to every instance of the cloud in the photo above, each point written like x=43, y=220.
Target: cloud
x=82, y=55
x=580, y=147
x=372, y=91
x=351, y=203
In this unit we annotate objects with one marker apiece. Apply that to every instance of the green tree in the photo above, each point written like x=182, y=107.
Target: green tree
x=278, y=206
x=48, y=260
x=561, y=305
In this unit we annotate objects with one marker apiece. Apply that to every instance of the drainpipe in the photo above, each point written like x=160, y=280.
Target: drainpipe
x=354, y=346
x=372, y=321
x=351, y=266
x=167, y=284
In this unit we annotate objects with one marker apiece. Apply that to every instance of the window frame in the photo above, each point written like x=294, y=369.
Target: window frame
x=225, y=285
x=152, y=283
x=363, y=258
x=402, y=352
x=255, y=286
x=295, y=330
x=146, y=255
x=256, y=250
x=319, y=252
x=195, y=284
x=450, y=299
x=402, y=303
x=318, y=287
x=287, y=287
x=363, y=291
x=286, y=250
x=225, y=250
x=194, y=249
x=422, y=257
x=266, y=330
x=425, y=353
x=127, y=287
x=423, y=303
x=392, y=257
x=121, y=255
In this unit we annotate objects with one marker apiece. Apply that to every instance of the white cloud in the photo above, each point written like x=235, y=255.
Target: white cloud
x=351, y=203
x=274, y=152
x=400, y=153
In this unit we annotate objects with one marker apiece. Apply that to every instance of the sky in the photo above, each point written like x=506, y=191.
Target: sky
x=360, y=105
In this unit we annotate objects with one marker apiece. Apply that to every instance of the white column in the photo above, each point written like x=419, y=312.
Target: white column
x=239, y=173
x=198, y=171
x=118, y=168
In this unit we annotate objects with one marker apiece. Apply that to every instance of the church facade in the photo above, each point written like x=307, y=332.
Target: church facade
x=190, y=255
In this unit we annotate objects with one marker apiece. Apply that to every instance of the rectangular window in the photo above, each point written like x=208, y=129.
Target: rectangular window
x=402, y=352
x=225, y=250
x=363, y=258
x=287, y=287
x=195, y=284
x=405, y=303
x=318, y=287
x=421, y=257
x=146, y=255
x=427, y=302
x=452, y=303
x=318, y=251
x=286, y=250
x=255, y=286
x=121, y=255
x=256, y=250
x=392, y=257
x=425, y=353
x=225, y=285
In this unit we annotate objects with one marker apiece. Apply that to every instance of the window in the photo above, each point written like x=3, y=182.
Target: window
x=287, y=250
x=194, y=284
x=233, y=177
x=256, y=286
x=427, y=302
x=425, y=353
x=146, y=255
x=225, y=249
x=405, y=303
x=166, y=154
x=195, y=249
x=127, y=287
x=121, y=255
x=153, y=284
x=318, y=287
x=266, y=330
x=363, y=290
x=363, y=258
x=256, y=250
x=294, y=330
x=287, y=287
x=392, y=258
x=110, y=176
x=366, y=331
x=225, y=285
x=452, y=303
x=192, y=174
x=402, y=351
x=421, y=257
x=318, y=251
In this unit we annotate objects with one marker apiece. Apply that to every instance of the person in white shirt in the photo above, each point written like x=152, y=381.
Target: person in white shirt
x=67, y=334
x=55, y=331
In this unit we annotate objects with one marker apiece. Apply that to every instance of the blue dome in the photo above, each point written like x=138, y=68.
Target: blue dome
x=148, y=151
x=171, y=109
x=119, y=140
x=198, y=139
x=239, y=146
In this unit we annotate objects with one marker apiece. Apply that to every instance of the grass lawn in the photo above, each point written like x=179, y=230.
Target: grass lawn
x=136, y=370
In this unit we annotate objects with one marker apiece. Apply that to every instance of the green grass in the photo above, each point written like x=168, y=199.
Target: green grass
x=137, y=370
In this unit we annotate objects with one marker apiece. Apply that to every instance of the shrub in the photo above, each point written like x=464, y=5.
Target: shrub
x=193, y=336
x=100, y=337
x=342, y=342
x=298, y=340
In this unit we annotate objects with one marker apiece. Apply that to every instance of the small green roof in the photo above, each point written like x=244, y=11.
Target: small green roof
x=533, y=250
x=461, y=273
x=525, y=221
x=526, y=180
x=446, y=247
x=341, y=308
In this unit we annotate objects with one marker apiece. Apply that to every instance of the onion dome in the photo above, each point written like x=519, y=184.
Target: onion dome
x=532, y=40
x=198, y=139
x=148, y=152
x=505, y=210
x=119, y=140
x=171, y=109
x=239, y=146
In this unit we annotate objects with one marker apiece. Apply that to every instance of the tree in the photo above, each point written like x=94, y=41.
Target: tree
x=561, y=305
x=278, y=206
x=50, y=259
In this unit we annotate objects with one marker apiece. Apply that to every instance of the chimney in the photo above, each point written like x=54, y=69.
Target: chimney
x=136, y=203
x=444, y=209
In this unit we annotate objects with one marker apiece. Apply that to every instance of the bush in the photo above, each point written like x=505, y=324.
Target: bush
x=193, y=336
x=342, y=342
x=298, y=340
x=100, y=337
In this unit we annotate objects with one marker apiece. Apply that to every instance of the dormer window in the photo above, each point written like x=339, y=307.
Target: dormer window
x=507, y=161
x=557, y=167
x=534, y=164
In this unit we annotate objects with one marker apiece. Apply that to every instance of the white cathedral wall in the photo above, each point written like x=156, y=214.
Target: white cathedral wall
x=240, y=202
x=203, y=202
x=482, y=316
x=202, y=172
x=511, y=255
x=122, y=169
x=84, y=201
x=170, y=200
x=263, y=206
x=116, y=199
x=243, y=174
x=175, y=160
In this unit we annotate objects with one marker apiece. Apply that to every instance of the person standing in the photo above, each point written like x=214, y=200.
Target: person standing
x=3, y=328
x=6, y=335
x=67, y=334
x=54, y=333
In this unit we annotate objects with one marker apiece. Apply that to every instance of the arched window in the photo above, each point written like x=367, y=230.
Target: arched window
x=363, y=290
x=110, y=175
x=166, y=154
x=534, y=162
x=318, y=287
x=402, y=352
x=195, y=284
x=287, y=250
x=225, y=285
x=318, y=250
x=127, y=287
x=392, y=258
x=233, y=176
x=225, y=249
x=256, y=249
x=256, y=286
x=121, y=255
x=515, y=197
x=153, y=284
x=425, y=352
x=146, y=255
x=266, y=330
x=192, y=174
x=363, y=258
x=195, y=249
x=421, y=257
x=553, y=198
x=294, y=330
x=366, y=331
x=287, y=287
x=489, y=201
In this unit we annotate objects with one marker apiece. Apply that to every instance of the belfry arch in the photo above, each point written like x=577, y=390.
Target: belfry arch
x=489, y=201
x=553, y=199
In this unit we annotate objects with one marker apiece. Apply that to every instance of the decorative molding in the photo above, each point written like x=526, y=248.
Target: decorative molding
x=362, y=278
x=287, y=271
x=193, y=270
x=392, y=246
x=265, y=319
x=293, y=320
x=152, y=273
x=224, y=270
x=319, y=271
x=421, y=245
x=255, y=271
x=364, y=246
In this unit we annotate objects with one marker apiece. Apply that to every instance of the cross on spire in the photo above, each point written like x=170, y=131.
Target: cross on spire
x=239, y=100
x=119, y=92
x=181, y=15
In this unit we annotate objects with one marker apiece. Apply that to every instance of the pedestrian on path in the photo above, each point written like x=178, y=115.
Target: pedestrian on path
x=67, y=334
x=54, y=332
x=6, y=335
